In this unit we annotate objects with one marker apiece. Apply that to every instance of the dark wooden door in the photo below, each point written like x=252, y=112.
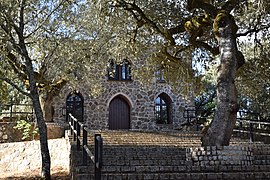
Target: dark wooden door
x=119, y=114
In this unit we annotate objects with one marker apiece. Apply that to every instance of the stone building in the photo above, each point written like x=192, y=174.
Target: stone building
x=124, y=101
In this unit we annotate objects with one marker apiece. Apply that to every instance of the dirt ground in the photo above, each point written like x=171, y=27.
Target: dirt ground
x=34, y=175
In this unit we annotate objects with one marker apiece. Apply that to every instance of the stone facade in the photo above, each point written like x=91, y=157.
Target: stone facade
x=140, y=98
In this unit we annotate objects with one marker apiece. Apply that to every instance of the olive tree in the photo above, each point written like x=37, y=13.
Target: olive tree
x=36, y=38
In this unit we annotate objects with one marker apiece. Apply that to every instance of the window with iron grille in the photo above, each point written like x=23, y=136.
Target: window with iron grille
x=74, y=105
x=163, y=109
x=119, y=72
x=160, y=75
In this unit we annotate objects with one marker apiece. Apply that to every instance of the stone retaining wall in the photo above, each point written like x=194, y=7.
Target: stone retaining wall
x=22, y=157
x=9, y=134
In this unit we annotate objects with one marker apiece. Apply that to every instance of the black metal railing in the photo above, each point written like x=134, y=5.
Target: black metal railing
x=194, y=117
x=252, y=128
x=246, y=123
x=80, y=133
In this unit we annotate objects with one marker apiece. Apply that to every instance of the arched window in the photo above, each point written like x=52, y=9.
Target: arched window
x=119, y=72
x=111, y=68
x=163, y=109
x=74, y=105
x=160, y=75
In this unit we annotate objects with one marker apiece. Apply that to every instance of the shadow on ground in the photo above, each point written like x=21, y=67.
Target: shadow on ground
x=56, y=176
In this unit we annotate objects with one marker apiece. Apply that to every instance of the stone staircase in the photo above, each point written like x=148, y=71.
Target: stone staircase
x=146, y=155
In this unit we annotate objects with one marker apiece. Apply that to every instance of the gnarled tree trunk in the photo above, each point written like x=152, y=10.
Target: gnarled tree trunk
x=48, y=108
x=47, y=99
x=221, y=128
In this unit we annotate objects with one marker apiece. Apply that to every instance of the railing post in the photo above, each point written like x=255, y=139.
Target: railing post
x=78, y=135
x=75, y=129
x=197, y=124
x=84, y=153
x=98, y=156
x=11, y=109
x=251, y=132
x=188, y=116
x=71, y=124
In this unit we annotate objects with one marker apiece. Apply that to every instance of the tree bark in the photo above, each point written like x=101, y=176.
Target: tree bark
x=48, y=108
x=45, y=155
x=221, y=128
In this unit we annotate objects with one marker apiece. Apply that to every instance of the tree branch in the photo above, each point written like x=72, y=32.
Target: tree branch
x=181, y=50
x=17, y=67
x=48, y=16
x=178, y=29
x=56, y=88
x=230, y=5
x=207, y=7
x=254, y=30
x=177, y=60
x=21, y=17
x=213, y=50
x=131, y=7
x=15, y=86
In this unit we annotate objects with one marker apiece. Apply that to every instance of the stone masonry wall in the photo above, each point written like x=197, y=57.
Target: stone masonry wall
x=9, y=134
x=140, y=98
x=224, y=155
x=98, y=92
x=25, y=156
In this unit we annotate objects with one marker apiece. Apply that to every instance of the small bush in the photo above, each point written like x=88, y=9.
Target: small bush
x=28, y=130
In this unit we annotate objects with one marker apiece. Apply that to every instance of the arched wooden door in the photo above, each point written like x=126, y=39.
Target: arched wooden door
x=119, y=114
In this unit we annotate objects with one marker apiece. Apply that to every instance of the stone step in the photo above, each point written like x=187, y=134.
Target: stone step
x=152, y=137
x=136, y=158
x=129, y=137
x=146, y=162
x=262, y=157
x=180, y=176
x=142, y=169
x=262, y=162
x=162, y=155
x=143, y=150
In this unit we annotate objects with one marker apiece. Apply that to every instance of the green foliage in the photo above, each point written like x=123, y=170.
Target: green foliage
x=178, y=61
x=8, y=94
x=27, y=128
x=253, y=80
x=4, y=98
x=205, y=103
x=71, y=38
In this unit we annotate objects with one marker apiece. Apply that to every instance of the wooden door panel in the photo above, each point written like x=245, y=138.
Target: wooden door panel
x=119, y=114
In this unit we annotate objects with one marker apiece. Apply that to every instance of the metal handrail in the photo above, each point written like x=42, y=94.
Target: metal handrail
x=251, y=131
x=76, y=128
